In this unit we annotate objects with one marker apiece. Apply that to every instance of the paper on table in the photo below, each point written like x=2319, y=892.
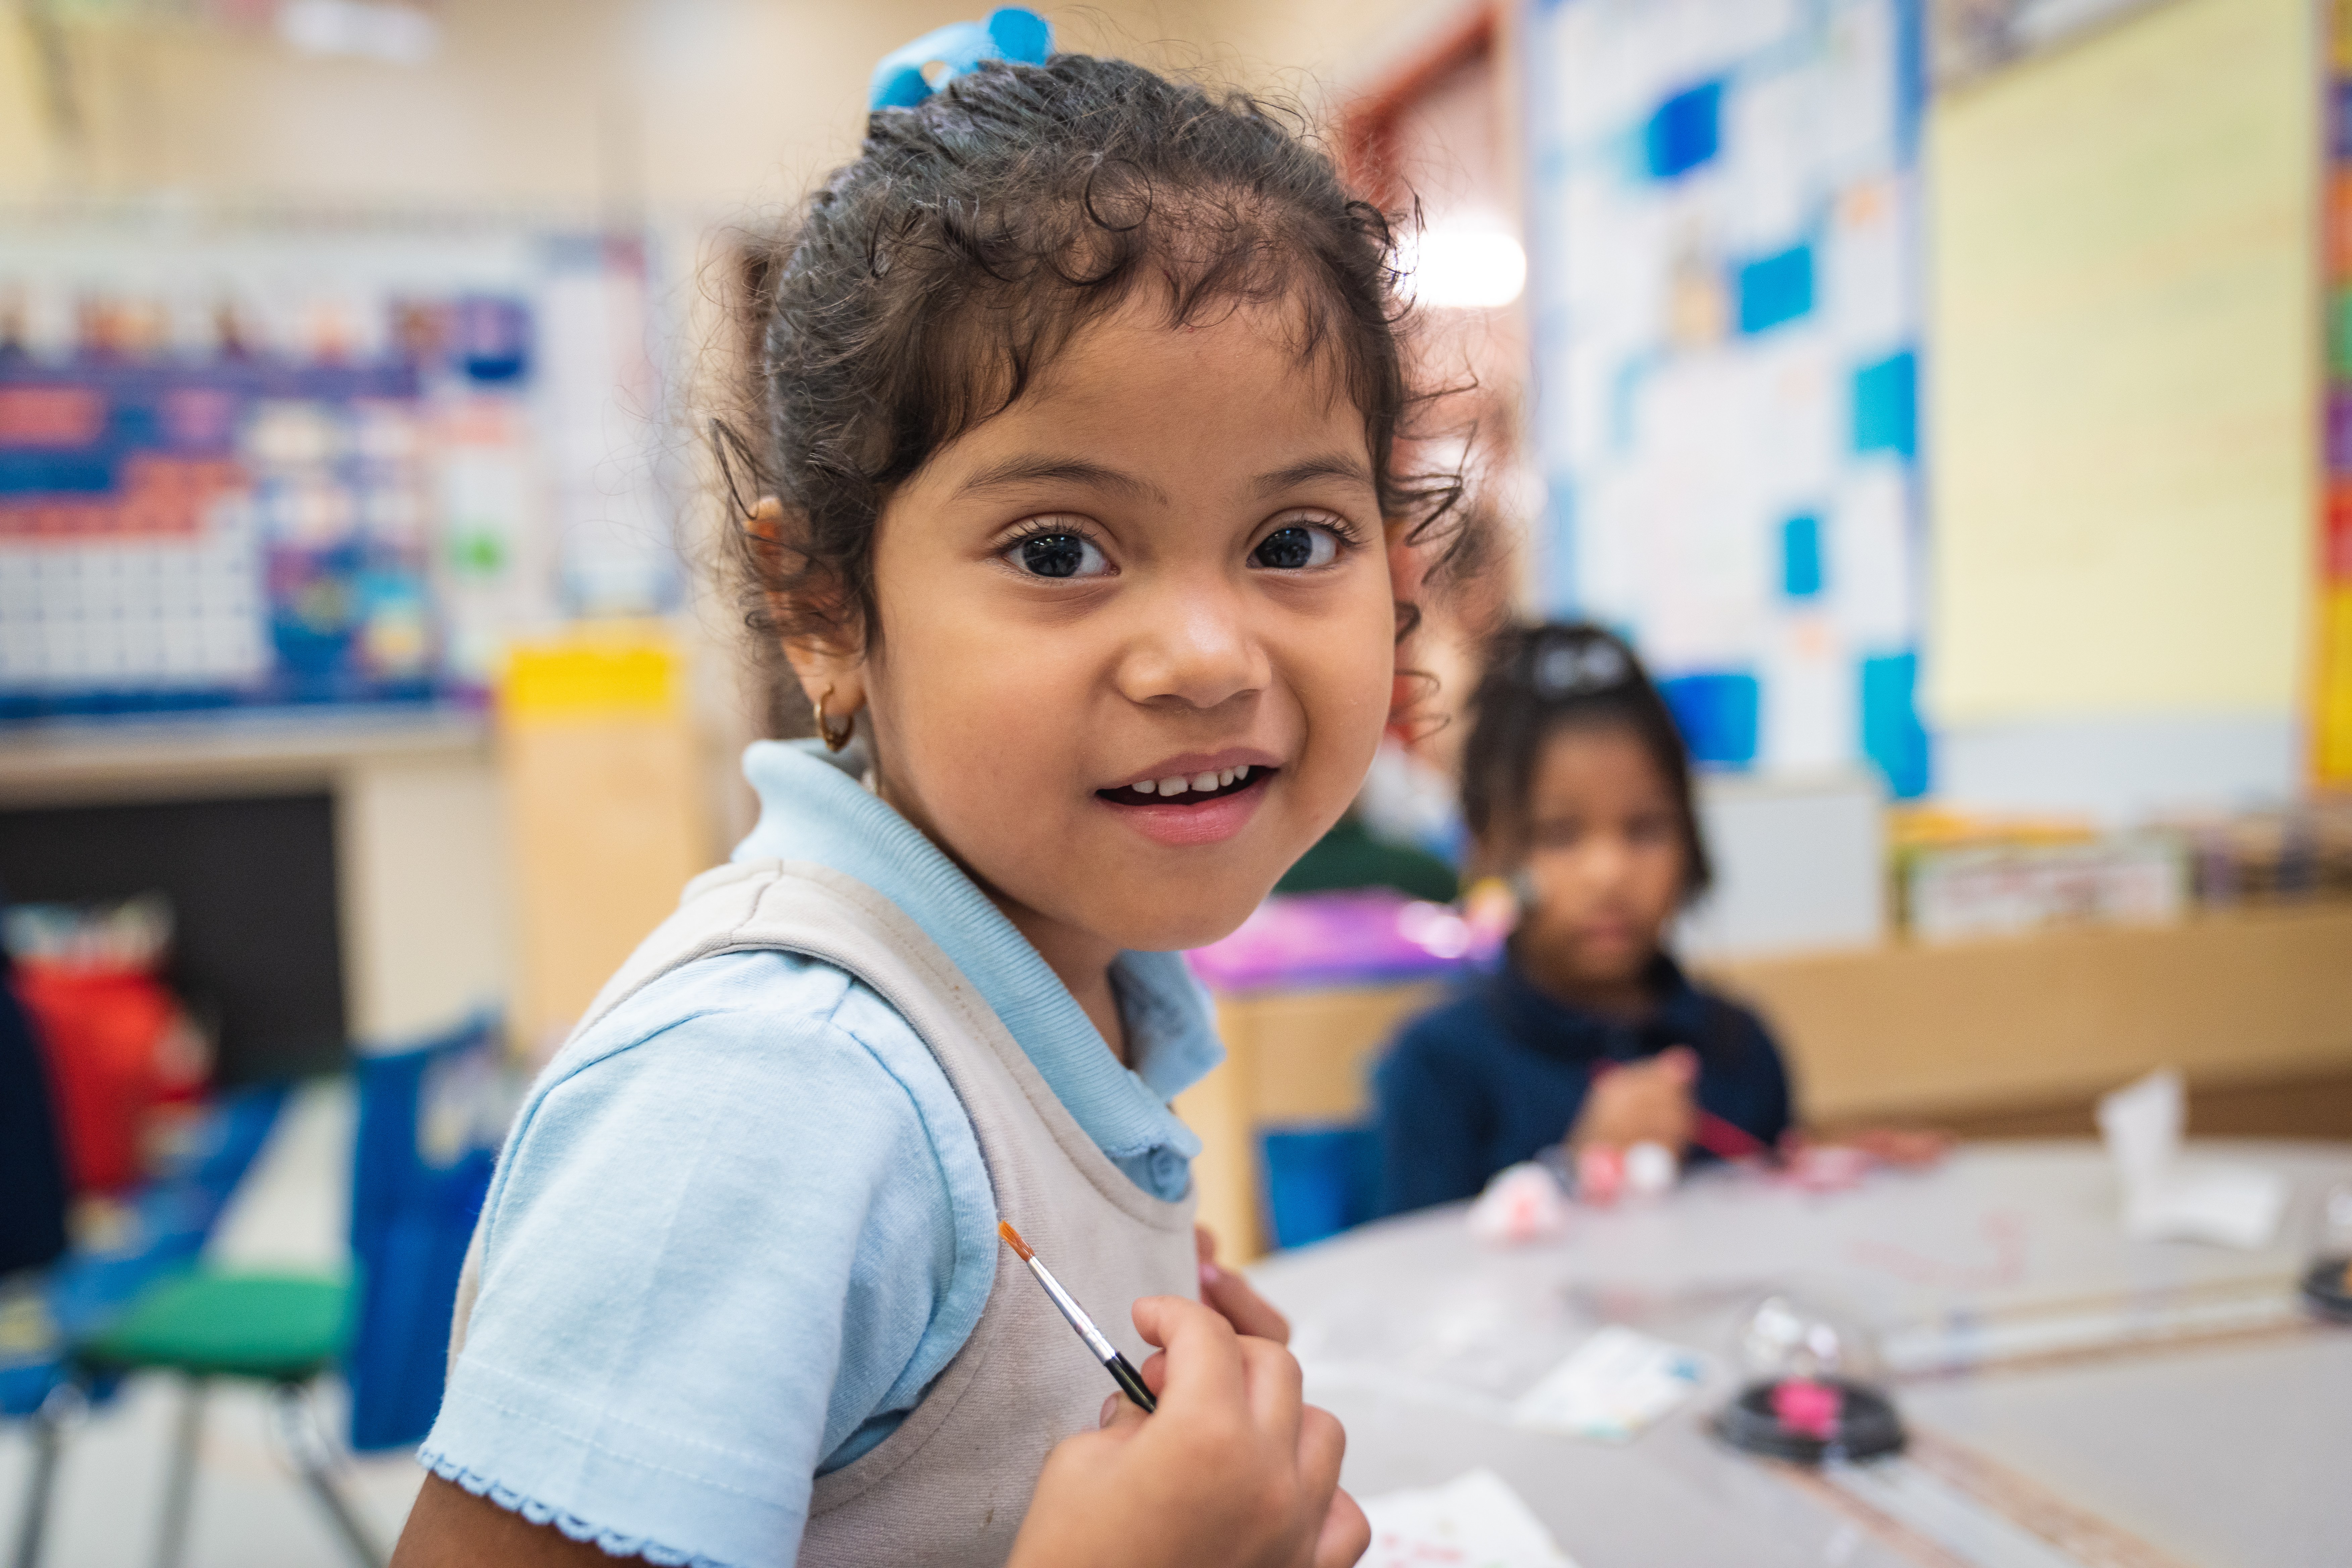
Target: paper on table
x=1524, y=1203
x=2167, y=1198
x=1615, y=1383
x=1474, y=1520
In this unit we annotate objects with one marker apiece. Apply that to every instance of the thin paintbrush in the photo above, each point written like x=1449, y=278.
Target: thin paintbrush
x=1121, y=1370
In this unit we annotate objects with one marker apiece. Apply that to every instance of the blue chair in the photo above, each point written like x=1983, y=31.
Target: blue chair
x=32, y=1159
x=429, y=1120
x=1319, y=1181
x=430, y=1123
x=164, y=1228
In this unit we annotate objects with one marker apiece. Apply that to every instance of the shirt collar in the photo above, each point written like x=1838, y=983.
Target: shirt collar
x=813, y=807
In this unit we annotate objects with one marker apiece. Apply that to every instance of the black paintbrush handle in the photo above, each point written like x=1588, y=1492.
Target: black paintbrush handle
x=1132, y=1381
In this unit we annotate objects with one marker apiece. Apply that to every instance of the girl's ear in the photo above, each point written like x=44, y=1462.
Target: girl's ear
x=831, y=667
x=831, y=677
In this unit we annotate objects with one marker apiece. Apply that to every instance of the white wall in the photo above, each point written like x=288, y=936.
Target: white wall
x=1799, y=866
x=421, y=865
x=689, y=110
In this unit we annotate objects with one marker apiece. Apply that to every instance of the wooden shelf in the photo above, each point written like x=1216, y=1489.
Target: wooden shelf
x=2231, y=996
x=209, y=754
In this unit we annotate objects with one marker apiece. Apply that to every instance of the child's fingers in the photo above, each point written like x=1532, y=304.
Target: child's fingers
x=1322, y=1445
x=1154, y=1372
x=1242, y=1307
x=1121, y=1414
x=1232, y=1296
x=1346, y=1535
x=1275, y=1387
x=1202, y=1359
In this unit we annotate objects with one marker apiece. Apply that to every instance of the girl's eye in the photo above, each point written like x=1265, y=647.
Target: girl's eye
x=1296, y=547
x=1060, y=555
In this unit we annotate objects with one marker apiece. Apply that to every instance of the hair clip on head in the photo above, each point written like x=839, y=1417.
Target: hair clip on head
x=912, y=72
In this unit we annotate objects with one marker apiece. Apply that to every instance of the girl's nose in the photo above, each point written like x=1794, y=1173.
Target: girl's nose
x=1193, y=647
x=1606, y=860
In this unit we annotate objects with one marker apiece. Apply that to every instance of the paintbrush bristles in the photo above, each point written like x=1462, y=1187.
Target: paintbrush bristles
x=1012, y=1238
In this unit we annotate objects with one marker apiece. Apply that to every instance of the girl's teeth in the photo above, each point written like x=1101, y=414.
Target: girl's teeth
x=1177, y=783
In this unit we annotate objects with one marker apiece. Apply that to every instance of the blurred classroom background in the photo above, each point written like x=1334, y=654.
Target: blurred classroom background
x=1952, y=399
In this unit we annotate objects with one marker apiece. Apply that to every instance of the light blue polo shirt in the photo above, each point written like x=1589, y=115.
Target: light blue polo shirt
x=742, y=1223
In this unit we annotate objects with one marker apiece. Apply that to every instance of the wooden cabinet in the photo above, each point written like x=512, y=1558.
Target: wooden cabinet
x=1916, y=1031
x=1299, y=1056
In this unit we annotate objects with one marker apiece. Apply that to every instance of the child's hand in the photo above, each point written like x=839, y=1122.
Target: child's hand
x=1647, y=1101
x=1232, y=1298
x=1235, y=1469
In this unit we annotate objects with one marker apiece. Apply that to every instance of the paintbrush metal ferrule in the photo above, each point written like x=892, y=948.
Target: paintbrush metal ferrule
x=1096, y=1340
x=1121, y=1370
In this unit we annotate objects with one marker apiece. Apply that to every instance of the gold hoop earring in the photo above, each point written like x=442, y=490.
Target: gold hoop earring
x=824, y=732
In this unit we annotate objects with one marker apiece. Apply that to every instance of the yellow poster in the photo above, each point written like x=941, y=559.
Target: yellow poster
x=2121, y=362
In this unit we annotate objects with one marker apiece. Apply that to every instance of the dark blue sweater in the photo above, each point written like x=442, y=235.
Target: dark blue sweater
x=1499, y=1072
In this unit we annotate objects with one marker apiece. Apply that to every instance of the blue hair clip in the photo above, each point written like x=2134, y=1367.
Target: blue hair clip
x=911, y=73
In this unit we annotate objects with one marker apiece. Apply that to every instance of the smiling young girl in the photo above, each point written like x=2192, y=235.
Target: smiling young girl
x=1076, y=507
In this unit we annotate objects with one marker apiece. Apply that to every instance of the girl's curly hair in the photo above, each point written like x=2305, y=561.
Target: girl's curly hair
x=923, y=287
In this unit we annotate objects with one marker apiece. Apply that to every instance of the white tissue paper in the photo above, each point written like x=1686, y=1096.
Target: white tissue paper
x=1615, y=1383
x=1523, y=1203
x=1476, y=1519
x=1649, y=1170
x=2169, y=1198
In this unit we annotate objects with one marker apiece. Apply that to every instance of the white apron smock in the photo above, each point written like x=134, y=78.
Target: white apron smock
x=951, y=1484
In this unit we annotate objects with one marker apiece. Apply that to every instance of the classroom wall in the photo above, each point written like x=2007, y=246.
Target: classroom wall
x=687, y=109
x=677, y=117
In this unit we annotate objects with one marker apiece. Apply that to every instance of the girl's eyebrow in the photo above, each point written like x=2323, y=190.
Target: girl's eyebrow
x=1027, y=468
x=1033, y=469
x=1329, y=465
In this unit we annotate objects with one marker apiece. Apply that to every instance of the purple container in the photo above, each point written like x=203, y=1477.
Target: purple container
x=1341, y=938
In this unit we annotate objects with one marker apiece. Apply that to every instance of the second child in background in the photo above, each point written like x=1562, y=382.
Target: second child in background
x=1575, y=786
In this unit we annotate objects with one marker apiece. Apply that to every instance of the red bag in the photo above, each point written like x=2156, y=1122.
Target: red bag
x=105, y=1035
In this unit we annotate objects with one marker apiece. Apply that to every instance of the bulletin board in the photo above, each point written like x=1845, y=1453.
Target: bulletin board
x=2122, y=315
x=274, y=464
x=1723, y=214
x=2332, y=688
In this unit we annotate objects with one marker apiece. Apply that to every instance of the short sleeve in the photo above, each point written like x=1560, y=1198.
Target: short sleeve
x=721, y=1242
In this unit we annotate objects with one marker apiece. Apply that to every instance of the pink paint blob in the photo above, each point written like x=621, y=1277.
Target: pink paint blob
x=1813, y=1409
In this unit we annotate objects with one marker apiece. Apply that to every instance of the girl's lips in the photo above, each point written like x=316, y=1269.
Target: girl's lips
x=1208, y=822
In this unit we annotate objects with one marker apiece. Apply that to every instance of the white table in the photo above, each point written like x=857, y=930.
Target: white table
x=2077, y=1400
